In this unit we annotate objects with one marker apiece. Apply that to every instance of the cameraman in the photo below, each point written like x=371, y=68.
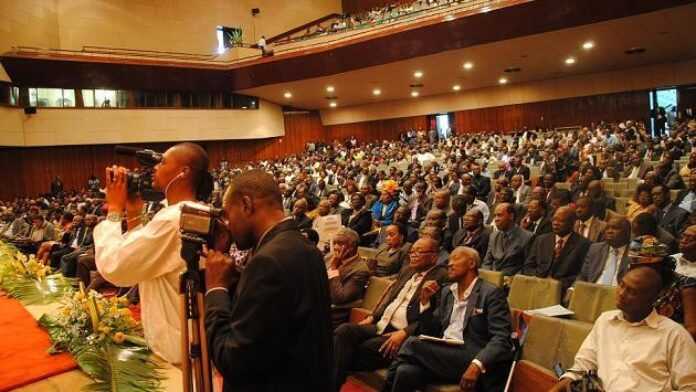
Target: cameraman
x=272, y=330
x=149, y=255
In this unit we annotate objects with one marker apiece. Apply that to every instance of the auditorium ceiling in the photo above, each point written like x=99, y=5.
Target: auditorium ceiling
x=665, y=36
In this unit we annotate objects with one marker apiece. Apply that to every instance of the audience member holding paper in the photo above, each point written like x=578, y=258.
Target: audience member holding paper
x=470, y=310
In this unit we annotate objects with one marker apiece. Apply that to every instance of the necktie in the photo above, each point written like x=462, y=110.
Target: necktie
x=532, y=227
x=582, y=229
x=558, y=249
x=608, y=276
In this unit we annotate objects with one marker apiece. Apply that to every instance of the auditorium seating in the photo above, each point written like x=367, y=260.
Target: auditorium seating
x=589, y=300
x=495, y=278
x=529, y=292
x=376, y=289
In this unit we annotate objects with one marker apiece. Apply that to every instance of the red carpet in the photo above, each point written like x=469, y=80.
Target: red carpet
x=353, y=387
x=23, y=349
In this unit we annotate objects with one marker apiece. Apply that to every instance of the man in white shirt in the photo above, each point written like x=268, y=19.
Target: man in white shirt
x=634, y=348
x=149, y=256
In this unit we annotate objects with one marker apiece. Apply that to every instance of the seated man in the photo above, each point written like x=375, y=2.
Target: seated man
x=634, y=348
x=299, y=214
x=68, y=262
x=507, y=246
x=560, y=254
x=375, y=341
x=536, y=220
x=357, y=217
x=588, y=225
x=470, y=310
x=348, y=273
x=40, y=231
x=608, y=260
x=670, y=216
x=645, y=223
x=473, y=233
x=472, y=202
x=435, y=233
x=601, y=202
x=441, y=201
x=686, y=198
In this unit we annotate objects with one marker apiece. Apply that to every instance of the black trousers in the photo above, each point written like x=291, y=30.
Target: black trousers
x=420, y=363
x=57, y=254
x=356, y=348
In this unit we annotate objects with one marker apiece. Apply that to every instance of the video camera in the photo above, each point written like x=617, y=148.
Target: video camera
x=141, y=182
x=203, y=225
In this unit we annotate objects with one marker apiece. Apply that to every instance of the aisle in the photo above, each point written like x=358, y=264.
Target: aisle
x=24, y=348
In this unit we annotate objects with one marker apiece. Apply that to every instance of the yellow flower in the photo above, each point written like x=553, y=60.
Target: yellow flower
x=104, y=329
x=118, y=337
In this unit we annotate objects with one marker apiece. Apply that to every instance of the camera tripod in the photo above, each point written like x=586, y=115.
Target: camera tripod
x=195, y=364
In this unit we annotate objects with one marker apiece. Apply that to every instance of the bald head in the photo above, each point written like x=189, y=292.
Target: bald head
x=463, y=264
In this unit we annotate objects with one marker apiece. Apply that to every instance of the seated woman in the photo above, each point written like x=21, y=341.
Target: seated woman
x=391, y=255
x=641, y=202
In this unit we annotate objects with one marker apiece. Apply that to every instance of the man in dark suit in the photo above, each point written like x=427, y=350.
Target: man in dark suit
x=507, y=246
x=299, y=214
x=357, y=217
x=470, y=310
x=473, y=234
x=481, y=183
x=83, y=241
x=601, y=202
x=374, y=342
x=607, y=261
x=517, y=167
x=536, y=220
x=686, y=198
x=274, y=332
x=348, y=274
x=669, y=216
x=455, y=220
x=560, y=254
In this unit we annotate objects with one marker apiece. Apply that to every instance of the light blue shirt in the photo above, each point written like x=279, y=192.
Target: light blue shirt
x=688, y=202
x=455, y=329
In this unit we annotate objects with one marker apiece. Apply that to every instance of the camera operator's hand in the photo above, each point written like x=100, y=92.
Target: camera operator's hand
x=116, y=188
x=219, y=269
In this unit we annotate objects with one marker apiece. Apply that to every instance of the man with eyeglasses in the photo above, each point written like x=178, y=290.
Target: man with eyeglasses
x=373, y=342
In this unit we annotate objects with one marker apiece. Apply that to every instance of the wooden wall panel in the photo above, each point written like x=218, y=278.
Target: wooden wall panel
x=376, y=130
x=357, y=6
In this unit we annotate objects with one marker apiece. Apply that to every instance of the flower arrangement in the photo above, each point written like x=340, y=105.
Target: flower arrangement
x=25, y=278
x=105, y=341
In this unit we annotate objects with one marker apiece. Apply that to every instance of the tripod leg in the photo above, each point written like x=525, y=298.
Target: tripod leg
x=185, y=358
x=196, y=359
x=205, y=356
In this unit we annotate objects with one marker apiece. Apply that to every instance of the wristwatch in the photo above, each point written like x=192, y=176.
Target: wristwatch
x=114, y=217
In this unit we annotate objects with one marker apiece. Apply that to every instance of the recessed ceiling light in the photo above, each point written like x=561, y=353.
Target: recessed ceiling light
x=333, y=104
x=376, y=91
x=330, y=89
x=418, y=74
x=287, y=94
x=468, y=65
x=588, y=45
x=570, y=61
x=449, y=17
x=456, y=87
x=414, y=94
x=502, y=80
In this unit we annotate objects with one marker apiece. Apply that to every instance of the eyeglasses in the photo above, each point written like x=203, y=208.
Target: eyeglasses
x=419, y=254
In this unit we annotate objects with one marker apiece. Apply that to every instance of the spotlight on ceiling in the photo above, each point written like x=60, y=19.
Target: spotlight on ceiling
x=456, y=87
x=287, y=95
x=588, y=45
x=376, y=92
x=570, y=61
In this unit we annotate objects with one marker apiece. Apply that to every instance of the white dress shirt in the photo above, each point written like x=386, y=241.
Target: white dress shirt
x=653, y=355
x=395, y=313
x=149, y=256
x=455, y=329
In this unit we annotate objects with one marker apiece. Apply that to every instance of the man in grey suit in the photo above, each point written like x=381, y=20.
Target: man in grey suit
x=470, y=310
x=373, y=342
x=608, y=260
x=588, y=225
x=669, y=215
x=558, y=255
x=507, y=246
x=520, y=189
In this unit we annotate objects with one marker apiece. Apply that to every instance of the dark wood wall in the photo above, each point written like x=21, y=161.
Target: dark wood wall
x=28, y=171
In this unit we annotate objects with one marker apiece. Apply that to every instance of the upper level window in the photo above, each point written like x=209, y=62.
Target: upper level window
x=52, y=97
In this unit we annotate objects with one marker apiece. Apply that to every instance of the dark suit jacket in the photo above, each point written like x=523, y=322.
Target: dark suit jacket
x=350, y=284
x=486, y=328
x=543, y=227
x=596, y=232
x=482, y=185
x=303, y=222
x=541, y=263
x=595, y=260
x=522, y=169
x=478, y=241
x=413, y=313
x=601, y=205
x=274, y=332
x=674, y=220
x=673, y=180
x=510, y=259
x=361, y=223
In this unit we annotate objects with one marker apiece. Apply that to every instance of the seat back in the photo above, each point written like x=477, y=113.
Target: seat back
x=554, y=340
x=493, y=277
x=573, y=333
x=376, y=289
x=529, y=292
x=590, y=300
